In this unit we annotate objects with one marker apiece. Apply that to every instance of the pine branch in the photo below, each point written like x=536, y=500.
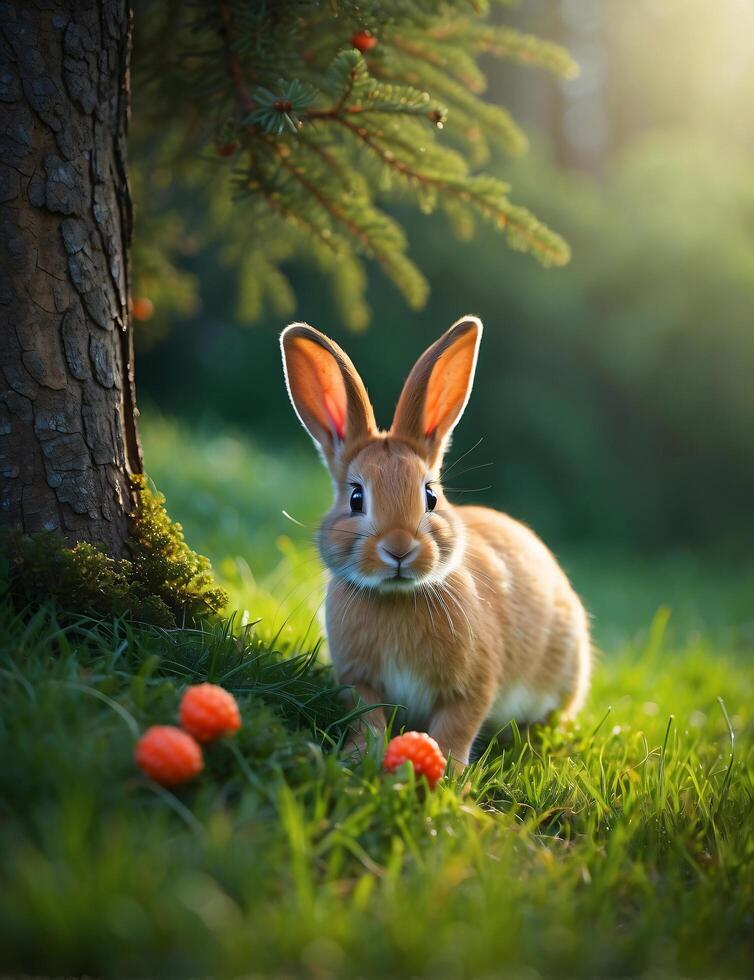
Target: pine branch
x=525, y=232
x=494, y=120
x=234, y=65
x=256, y=183
x=316, y=132
x=503, y=41
x=463, y=68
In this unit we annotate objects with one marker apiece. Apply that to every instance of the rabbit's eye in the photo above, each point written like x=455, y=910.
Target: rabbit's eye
x=357, y=498
x=431, y=496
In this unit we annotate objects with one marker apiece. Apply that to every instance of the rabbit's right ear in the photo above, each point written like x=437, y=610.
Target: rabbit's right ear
x=435, y=393
x=326, y=391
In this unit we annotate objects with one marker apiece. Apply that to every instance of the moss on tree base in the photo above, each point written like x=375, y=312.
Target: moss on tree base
x=163, y=583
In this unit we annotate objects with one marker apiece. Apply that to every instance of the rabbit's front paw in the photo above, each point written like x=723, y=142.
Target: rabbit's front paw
x=356, y=746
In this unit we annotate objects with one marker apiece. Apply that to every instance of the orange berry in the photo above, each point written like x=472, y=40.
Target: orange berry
x=227, y=149
x=168, y=755
x=142, y=308
x=208, y=712
x=421, y=751
x=363, y=41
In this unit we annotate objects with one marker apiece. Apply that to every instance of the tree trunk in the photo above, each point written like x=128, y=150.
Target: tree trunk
x=68, y=437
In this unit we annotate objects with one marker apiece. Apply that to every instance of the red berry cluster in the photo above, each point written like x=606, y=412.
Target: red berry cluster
x=209, y=712
x=142, y=308
x=421, y=751
x=170, y=755
x=363, y=41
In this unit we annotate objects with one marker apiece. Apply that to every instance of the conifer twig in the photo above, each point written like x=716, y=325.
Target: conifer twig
x=333, y=210
x=464, y=193
x=234, y=65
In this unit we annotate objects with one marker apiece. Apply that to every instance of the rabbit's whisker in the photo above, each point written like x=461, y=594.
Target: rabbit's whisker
x=425, y=593
x=467, y=489
x=357, y=589
x=443, y=605
x=470, y=469
x=455, y=462
x=293, y=519
x=456, y=599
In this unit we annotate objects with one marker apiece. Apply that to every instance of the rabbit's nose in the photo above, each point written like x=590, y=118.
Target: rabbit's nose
x=398, y=548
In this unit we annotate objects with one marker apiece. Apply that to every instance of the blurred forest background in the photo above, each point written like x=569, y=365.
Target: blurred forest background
x=614, y=396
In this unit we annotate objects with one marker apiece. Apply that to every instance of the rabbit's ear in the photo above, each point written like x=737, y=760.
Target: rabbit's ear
x=435, y=393
x=326, y=391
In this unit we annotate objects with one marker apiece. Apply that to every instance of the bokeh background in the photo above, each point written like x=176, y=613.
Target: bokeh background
x=614, y=398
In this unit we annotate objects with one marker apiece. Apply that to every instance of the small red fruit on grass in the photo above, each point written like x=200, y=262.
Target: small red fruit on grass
x=421, y=751
x=209, y=712
x=168, y=755
x=363, y=41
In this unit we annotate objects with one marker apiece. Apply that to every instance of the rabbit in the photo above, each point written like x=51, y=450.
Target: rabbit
x=460, y=614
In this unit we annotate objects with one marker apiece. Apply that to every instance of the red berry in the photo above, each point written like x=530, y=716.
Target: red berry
x=227, y=149
x=208, y=712
x=168, y=755
x=142, y=308
x=363, y=41
x=421, y=751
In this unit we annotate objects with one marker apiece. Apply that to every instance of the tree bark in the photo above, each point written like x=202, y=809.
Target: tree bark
x=68, y=435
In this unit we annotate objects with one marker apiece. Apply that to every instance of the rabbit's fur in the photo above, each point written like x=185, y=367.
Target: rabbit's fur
x=460, y=614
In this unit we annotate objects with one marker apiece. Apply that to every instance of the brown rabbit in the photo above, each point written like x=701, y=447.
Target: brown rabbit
x=459, y=614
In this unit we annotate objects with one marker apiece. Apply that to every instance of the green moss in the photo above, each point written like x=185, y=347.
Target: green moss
x=163, y=582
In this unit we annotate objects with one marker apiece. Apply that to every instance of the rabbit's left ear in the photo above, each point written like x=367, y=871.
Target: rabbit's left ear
x=327, y=393
x=438, y=388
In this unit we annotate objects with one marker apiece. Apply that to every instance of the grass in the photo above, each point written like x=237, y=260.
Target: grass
x=619, y=846
x=230, y=498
